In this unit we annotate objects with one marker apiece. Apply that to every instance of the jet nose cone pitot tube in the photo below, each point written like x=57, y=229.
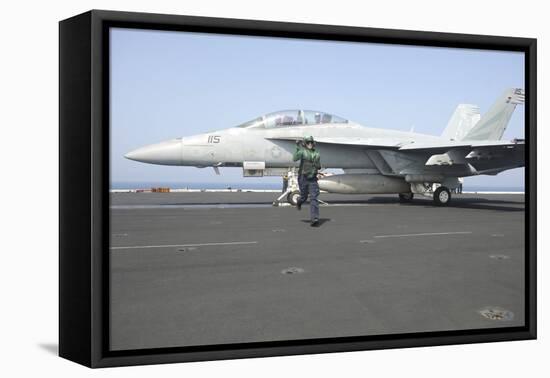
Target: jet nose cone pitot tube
x=165, y=153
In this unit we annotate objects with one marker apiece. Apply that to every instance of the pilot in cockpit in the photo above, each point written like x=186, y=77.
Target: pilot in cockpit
x=317, y=118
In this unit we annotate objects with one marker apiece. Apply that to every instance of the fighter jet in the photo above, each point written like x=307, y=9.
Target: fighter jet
x=374, y=161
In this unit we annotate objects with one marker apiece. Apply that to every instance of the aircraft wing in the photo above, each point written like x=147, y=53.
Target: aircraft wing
x=463, y=145
x=452, y=158
x=395, y=144
x=485, y=155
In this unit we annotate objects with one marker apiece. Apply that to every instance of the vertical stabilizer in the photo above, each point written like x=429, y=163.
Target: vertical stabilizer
x=461, y=122
x=492, y=124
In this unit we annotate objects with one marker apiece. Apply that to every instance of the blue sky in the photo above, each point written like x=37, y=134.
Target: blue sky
x=171, y=84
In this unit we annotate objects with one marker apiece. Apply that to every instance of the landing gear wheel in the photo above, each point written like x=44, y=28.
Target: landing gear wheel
x=406, y=197
x=442, y=196
x=293, y=197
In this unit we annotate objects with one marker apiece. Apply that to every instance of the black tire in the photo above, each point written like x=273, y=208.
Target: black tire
x=406, y=197
x=293, y=197
x=442, y=196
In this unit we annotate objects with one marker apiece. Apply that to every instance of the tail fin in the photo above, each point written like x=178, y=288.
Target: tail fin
x=461, y=122
x=492, y=124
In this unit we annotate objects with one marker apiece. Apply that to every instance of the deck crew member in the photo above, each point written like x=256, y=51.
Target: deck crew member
x=310, y=164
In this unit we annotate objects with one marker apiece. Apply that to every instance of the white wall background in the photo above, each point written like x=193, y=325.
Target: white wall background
x=28, y=190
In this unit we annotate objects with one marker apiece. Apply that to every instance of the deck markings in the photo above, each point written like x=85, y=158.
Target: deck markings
x=184, y=245
x=424, y=234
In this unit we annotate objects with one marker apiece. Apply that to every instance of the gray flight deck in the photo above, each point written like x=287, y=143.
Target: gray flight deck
x=210, y=268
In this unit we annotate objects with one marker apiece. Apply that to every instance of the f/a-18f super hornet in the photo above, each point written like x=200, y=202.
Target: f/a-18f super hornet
x=374, y=161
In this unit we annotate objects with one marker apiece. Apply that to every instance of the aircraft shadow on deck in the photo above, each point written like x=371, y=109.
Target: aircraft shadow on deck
x=461, y=203
x=474, y=203
x=216, y=203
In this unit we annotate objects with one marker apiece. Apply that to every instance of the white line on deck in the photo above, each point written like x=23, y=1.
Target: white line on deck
x=424, y=234
x=184, y=245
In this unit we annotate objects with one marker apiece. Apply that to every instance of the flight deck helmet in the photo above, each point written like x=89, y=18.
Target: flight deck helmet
x=309, y=139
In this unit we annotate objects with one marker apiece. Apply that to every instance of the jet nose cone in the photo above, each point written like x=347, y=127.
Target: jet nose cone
x=164, y=153
x=134, y=155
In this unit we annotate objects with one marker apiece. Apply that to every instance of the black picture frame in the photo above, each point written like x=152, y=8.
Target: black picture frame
x=84, y=180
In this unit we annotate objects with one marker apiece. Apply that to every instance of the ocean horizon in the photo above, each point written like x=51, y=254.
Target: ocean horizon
x=267, y=185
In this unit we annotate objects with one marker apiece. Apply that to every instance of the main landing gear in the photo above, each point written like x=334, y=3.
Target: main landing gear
x=440, y=194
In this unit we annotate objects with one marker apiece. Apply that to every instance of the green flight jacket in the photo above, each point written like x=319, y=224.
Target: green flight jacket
x=310, y=161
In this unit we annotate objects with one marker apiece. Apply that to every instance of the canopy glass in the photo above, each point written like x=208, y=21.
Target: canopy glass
x=288, y=118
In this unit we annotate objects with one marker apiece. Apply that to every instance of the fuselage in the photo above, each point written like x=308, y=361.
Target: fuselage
x=233, y=146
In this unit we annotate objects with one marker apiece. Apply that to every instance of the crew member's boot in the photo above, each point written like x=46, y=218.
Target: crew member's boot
x=315, y=222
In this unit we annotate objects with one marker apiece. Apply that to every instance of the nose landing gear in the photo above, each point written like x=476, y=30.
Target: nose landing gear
x=292, y=191
x=293, y=197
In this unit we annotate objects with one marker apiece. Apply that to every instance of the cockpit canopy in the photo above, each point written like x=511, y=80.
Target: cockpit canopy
x=287, y=118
